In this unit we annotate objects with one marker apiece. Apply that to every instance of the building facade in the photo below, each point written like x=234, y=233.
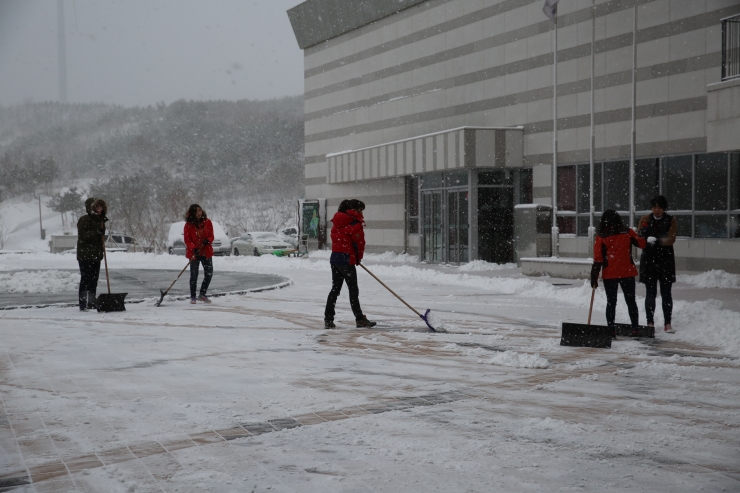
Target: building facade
x=439, y=115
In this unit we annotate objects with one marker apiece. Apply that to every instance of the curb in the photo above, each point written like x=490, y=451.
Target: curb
x=274, y=287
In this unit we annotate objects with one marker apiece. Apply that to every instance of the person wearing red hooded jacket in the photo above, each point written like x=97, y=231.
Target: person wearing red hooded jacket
x=613, y=254
x=198, y=235
x=347, y=249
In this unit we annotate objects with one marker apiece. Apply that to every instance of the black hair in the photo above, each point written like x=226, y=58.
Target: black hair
x=192, y=210
x=610, y=221
x=660, y=201
x=351, y=205
x=344, y=206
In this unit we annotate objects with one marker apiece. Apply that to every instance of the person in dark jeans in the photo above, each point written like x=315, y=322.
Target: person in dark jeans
x=90, y=234
x=347, y=247
x=198, y=235
x=612, y=253
x=658, y=261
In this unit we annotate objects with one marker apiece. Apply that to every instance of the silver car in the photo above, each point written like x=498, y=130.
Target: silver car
x=258, y=243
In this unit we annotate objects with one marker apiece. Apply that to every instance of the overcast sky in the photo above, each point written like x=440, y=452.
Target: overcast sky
x=139, y=52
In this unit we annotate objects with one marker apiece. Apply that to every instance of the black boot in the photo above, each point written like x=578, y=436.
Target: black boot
x=329, y=324
x=365, y=323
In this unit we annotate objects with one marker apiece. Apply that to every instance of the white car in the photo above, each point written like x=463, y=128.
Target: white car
x=259, y=242
x=290, y=235
x=176, y=239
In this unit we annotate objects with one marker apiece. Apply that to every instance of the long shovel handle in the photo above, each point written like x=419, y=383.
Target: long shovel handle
x=105, y=256
x=591, y=308
x=392, y=292
x=178, y=277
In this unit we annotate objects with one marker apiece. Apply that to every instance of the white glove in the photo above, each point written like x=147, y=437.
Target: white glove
x=652, y=240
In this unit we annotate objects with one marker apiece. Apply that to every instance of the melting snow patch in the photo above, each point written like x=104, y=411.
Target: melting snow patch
x=482, y=265
x=517, y=360
x=40, y=281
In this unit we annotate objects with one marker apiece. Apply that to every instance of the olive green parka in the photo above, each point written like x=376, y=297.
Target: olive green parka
x=89, y=241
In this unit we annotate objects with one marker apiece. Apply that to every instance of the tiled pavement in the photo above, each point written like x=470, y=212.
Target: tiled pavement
x=58, y=470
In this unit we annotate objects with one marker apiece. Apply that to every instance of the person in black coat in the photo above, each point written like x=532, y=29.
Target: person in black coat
x=90, y=234
x=658, y=261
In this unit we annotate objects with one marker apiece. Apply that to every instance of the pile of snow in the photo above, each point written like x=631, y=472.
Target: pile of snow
x=482, y=266
x=712, y=279
x=518, y=360
x=40, y=281
x=395, y=258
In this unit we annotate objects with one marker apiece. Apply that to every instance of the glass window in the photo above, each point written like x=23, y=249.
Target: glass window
x=567, y=188
x=735, y=226
x=616, y=185
x=525, y=186
x=683, y=224
x=647, y=176
x=412, y=203
x=567, y=225
x=498, y=177
x=710, y=226
x=734, y=181
x=676, y=183
x=584, y=186
x=456, y=178
x=432, y=180
x=583, y=225
x=710, y=193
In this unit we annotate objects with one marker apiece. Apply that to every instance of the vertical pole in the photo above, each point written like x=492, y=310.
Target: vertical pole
x=634, y=106
x=41, y=226
x=62, y=52
x=591, y=229
x=555, y=231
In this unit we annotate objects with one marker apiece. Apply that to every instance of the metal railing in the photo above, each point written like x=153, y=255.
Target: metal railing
x=731, y=47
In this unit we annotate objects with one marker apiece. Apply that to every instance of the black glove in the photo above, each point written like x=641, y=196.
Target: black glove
x=206, y=242
x=105, y=219
x=196, y=252
x=101, y=231
x=595, y=270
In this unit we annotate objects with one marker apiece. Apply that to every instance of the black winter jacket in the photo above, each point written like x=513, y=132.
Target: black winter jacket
x=89, y=241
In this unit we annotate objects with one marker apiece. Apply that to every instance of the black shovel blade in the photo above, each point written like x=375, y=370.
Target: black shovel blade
x=112, y=302
x=627, y=330
x=162, y=292
x=583, y=335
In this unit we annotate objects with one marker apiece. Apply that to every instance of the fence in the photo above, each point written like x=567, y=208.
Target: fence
x=731, y=47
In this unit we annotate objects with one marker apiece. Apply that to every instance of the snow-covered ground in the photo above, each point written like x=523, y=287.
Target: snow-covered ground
x=251, y=394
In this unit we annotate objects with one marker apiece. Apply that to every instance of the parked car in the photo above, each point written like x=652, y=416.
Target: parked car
x=176, y=239
x=259, y=242
x=289, y=235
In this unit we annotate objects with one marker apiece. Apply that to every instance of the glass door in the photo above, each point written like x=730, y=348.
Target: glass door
x=432, y=226
x=496, y=224
x=457, y=226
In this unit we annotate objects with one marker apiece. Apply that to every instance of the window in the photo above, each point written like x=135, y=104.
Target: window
x=647, y=182
x=734, y=182
x=498, y=177
x=525, y=186
x=567, y=188
x=412, y=204
x=617, y=185
x=710, y=191
x=676, y=182
x=714, y=226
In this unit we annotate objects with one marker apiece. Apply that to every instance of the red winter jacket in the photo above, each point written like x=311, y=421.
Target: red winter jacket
x=612, y=251
x=194, y=236
x=347, y=238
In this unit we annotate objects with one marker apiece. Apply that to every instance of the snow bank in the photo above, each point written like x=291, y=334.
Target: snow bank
x=41, y=281
x=483, y=266
x=518, y=360
x=396, y=258
x=712, y=279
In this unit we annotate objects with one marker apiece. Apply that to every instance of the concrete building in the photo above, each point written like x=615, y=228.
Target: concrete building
x=439, y=115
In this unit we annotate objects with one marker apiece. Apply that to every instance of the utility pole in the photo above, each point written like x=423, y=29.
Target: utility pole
x=62, y=52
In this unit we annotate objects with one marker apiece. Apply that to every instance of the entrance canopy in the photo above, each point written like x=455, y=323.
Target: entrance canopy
x=457, y=148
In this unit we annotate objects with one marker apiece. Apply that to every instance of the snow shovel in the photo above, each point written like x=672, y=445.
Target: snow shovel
x=424, y=317
x=163, y=293
x=111, y=302
x=587, y=335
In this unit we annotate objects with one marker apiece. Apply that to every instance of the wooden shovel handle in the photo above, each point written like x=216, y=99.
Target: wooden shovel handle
x=392, y=292
x=105, y=257
x=591, y=308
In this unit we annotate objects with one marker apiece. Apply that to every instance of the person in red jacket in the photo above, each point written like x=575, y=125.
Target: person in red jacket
x=613, y=257
x=347, y=249
x=198, y=248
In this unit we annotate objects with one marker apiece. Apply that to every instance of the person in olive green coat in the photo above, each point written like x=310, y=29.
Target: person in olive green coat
x=90, y=234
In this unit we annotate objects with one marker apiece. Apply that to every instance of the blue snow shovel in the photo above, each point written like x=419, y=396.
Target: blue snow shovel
x=424, y=317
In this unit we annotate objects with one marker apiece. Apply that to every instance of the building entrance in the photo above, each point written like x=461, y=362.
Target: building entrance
x=496, y=222
x=432, y=224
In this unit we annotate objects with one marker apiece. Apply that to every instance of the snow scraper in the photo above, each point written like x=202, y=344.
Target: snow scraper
x=164, y=293
x=427, y=315
x=111, y=302
x=587, y=335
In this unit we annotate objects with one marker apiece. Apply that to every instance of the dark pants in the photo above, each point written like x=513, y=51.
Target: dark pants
x=651, y=291
x=89, y=274
x=207, y=274
x=611, y=286
x=339, y=275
